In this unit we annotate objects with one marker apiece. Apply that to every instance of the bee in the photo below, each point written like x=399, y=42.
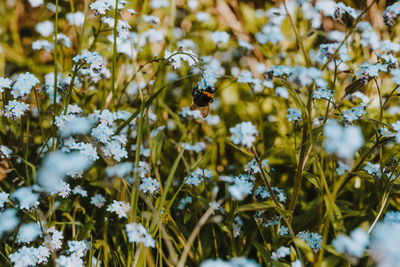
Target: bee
x=202, y=98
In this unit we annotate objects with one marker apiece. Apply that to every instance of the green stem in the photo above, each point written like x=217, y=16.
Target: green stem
x=136, y=181
x=298, y=39
x=358, y=19
x=148, y=102
x=390, y=95
x=83, y=26
x=302, y=158
x=55, y=75
x=332, y=90
x=114, y=57
x=384, y=201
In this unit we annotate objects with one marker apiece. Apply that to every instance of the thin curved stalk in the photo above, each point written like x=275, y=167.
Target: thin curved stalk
x=385, y=199
x=358, y=19
x=55, y=76
x=194, y=234
x=114, y=56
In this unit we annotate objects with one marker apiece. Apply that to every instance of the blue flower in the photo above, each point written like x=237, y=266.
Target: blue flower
x=78, y=190
x=138, y=233
x=342, y=141
x=392, y=217
x=97, y=200
x=384, y=247
x=197, y=147
x=120, y=208
x=26, y=198
x=384, y=132
x=252, y=167
x=312, y=239
x=183, y=202
x=322, y=93
x=241, y=187
x=282, y=92
x=79, y=248
x=30, y=256
x=342, y=168
x=233, y=262
x=369, y=70
x=5, y=152
x=373, y=169
x=293, y=115
x=244, y=133
x=28, y=232
x=4, y=83
x=283, y=230
x=391, y=13
x=208, y=79
x=24, y=84
x=57, y=165
x=3, y=199
x=120, y=169
x=354, y=113
x=280, y=253
x=8, y=220
x=327, y=50
x=245, y=45
x=354, y=245
x=220, y=37
x=149, y=185
x=195, y=178
x=15, y=109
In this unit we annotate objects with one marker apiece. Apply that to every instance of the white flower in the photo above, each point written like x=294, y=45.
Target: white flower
x=220, y=37
x=76, y=18
x=120, y=208
x=45, y=28
x=244, y=133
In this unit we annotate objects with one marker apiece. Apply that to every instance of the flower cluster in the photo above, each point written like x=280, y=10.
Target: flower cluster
x=96, y=65
x=294, y=115
x=149, y=185
x=244, y=134
x=354, y=113
x=197, y=176
x=120, y=208
x=138, y=233
x=391, y=13
x=234, y=262
x=342, y=141
x=15, y=109
x=322, y=93
x=312, y=239
x=353, y=245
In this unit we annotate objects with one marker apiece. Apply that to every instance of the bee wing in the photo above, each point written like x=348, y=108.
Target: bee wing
x=194, y=107
x=203, y=110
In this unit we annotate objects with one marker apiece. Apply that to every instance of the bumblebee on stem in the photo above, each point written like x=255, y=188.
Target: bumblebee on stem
x=203, y=93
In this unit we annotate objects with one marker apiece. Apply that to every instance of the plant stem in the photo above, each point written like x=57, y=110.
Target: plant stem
x=114, y=57
x=136, y=178
x=358, y=19
x=55, y=76
x=265, y=179
x=302, y=159
x=298, y=39
x=385, y=199
x=194, y=233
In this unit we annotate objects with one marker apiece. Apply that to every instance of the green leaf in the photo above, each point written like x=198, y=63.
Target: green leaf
x=84, y=232
x=312, y=179
x=263, y=253
x=256, y=206
x=307, y=251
